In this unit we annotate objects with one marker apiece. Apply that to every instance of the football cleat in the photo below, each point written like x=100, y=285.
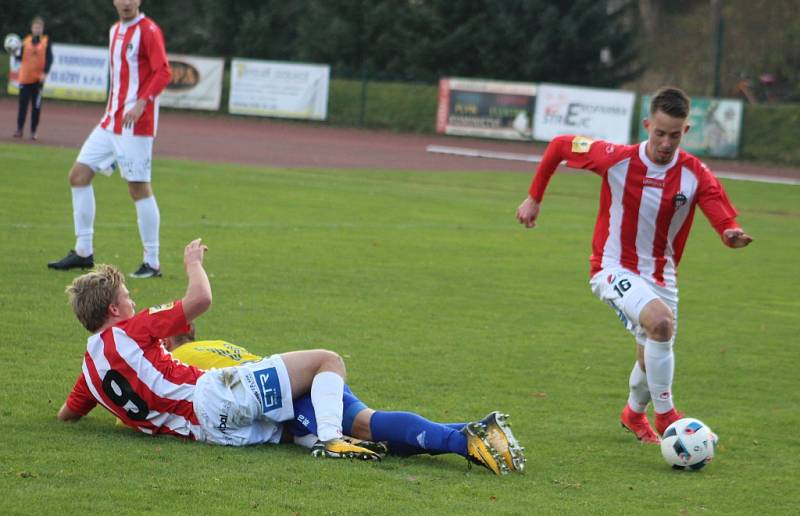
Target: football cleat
x=145, y=271
x=498, y=433
x=666, y=419
x=72, y=261
x=341, y=449
x=638, y=425
x=479, y=451
x=379, y=447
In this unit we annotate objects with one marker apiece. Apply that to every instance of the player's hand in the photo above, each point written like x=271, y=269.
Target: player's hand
x=527, y=212
x=194, y=253
x=736, y=237
x=132, y=116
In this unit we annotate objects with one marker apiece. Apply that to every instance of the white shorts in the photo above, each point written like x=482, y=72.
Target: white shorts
x=628, y=293
x=103, y=151
x=245, y=404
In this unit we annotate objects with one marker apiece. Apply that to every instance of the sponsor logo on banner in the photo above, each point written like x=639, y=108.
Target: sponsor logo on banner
x=196, y=83
x=78, y=73
x=184, y=76
x=278, y=89
x=490, y=109
x=598, y=114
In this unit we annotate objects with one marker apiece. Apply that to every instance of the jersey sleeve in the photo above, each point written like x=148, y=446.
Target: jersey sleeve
x=579, y=152
x=156, y=56
x=80, y=399
x=714, y=202
x=157, y=322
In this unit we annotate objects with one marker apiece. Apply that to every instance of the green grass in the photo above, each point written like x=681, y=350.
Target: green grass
x=440, y=304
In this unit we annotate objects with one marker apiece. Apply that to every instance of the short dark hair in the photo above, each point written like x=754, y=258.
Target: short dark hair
x=671, y=101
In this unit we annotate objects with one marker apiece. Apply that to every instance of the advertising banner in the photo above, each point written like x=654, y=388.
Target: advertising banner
x=716, y=127
x=196, y=82
x=78, y=73
x=598, y=114
x=489, y=109
x=286, y=90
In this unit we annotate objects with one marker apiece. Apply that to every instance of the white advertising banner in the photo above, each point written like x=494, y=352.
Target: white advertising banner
x=596, y=113
x=279, y=89
x=78, y=73
x=196, y=82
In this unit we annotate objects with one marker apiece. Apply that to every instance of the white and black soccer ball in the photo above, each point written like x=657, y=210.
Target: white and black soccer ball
x=12, y=43
x=688, y=443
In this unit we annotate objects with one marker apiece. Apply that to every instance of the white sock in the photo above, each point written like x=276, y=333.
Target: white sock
x=83, y=209
x=639, y=395
x=660, y=363
x=149, y=218
x=327, y=390
x=307, y=441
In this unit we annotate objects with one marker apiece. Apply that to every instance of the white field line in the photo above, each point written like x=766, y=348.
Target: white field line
x=536, y=158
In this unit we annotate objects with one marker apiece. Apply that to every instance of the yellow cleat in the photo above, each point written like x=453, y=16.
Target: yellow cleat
x=479, y=451
x=341, y=449
x=497, y=432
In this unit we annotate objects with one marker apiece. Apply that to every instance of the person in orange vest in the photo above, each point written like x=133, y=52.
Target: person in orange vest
x=36, y=56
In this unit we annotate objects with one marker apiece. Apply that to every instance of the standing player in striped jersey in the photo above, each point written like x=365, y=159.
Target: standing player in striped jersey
x=648, y=197
x=127, y=371
x=124, y=138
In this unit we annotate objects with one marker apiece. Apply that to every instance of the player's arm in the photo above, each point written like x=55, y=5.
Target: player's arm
x=156, y=56
x=79, y=402
x=48, y=59
x=198, y=291
x=720, y=212
x=579, y=152
x=67, y=414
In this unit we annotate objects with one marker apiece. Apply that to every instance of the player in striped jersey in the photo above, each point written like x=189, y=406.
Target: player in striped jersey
x=124, y=138
x=127, y=371
x=648, y=197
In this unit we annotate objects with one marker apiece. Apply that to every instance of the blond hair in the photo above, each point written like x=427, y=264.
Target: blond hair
x=91, y=293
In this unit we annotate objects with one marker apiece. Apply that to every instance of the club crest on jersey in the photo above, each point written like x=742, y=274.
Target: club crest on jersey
x=160, y=308
x=581, y=144
x=679, y=200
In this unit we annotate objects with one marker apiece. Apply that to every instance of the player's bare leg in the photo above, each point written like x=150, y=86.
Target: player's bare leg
x=83, y=210
x=322, y=373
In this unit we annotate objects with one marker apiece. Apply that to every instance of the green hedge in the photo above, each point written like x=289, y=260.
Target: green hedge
x=770, y=133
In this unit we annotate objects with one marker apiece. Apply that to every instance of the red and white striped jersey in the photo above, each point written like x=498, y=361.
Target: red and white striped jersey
x=646, y=209
x=128, y=371
x=139, y=69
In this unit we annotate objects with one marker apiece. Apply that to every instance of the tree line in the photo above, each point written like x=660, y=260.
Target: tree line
x=586, y=42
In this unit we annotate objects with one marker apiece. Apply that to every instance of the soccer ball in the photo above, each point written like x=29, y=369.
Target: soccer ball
x=12, y=43
x=688, y=444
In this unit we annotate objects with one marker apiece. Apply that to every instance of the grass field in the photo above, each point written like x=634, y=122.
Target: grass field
x=441, y=304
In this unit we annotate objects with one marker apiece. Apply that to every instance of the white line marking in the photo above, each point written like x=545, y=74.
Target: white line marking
x=536, y=158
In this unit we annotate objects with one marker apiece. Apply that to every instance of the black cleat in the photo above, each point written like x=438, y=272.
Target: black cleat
x=72, y=261
x=145, y=271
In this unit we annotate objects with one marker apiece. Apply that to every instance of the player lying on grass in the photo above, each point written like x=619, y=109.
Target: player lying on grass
x=648, y=197
x=488, y=442
x=127, y=370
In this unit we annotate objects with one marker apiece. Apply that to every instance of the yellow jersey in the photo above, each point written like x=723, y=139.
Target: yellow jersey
x=211, y=354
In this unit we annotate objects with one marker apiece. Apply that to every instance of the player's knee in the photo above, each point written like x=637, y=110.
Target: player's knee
x=332, y=361
x=661, y=327
x=80, y=175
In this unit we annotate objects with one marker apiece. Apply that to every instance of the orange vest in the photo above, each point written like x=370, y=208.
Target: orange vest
x=33, y=60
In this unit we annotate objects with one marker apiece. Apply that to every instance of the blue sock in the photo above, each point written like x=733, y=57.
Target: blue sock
x=411, y=434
